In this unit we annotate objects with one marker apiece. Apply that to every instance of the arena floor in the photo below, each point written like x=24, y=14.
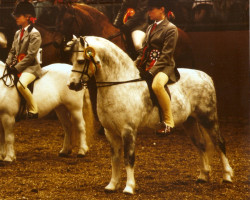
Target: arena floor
x=166, y=167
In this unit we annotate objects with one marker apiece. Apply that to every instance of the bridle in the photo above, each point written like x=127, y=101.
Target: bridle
x=89, y=54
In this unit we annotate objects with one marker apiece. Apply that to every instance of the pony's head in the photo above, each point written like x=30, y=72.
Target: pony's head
x=85, y=62
x=92, y=55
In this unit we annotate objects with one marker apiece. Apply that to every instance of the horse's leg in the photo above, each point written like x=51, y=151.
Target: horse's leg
x=79, y=125
x=198, y=139
x=8, y=124
x=2, y=141
x=128, y=137
x=64, y=117
x=211, y=126
x=116, y=144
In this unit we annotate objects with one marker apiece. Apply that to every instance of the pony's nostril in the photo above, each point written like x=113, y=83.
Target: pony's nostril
x=80, y=62
x=71, y=86
x=78, y=87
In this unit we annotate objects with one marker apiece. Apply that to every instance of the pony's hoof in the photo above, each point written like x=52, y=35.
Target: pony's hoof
x=80, y=155
x=9, y=159
x=128, y=190
x=201, y=181
x=82, y=152
x=64, y=154
x=203, y=177
x=111, y=187
x=227, y=182
x=227, y=178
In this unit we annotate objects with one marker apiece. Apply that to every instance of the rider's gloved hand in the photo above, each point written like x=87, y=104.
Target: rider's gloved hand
x=13, y=70
x=146, y=75
x=124, y=29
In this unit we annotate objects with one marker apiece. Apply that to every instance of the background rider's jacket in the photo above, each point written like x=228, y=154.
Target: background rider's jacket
x=163, y=40
x=139, y=21
x=29, y=45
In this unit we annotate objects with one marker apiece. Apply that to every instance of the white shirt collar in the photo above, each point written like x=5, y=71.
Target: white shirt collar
x=25, y=29
x=158, y=22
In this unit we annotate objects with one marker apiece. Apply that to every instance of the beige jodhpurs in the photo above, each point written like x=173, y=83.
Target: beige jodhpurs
x=26, y=79
x=159, y=81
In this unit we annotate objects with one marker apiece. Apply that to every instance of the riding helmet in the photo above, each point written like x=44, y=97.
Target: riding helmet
x=23, y=8
x=157, y=3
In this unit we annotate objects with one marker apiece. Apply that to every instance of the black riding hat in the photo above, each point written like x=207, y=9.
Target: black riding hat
x=24, y=8
x=157, y=3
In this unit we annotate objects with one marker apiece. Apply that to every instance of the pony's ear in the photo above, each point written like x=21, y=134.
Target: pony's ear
x=69, y=45
x=74, y=37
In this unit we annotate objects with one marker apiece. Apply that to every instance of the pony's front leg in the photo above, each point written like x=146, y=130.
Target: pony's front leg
x=79, y=124
x=116, y=144
x=9, y=138
x=129, y=137
x=64, y=117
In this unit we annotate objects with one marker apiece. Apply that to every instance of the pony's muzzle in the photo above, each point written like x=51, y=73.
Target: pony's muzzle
x=75, y=86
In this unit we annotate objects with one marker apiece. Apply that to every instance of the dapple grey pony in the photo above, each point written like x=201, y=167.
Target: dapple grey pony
x=50, y=92
x=125, y=106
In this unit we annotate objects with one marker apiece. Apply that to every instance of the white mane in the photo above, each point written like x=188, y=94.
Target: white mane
x=113, y=58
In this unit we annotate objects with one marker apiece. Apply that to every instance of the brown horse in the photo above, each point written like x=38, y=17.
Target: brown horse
x=52, y=45
x=83, y=20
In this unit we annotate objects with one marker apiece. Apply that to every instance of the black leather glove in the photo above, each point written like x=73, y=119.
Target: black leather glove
x=146, y=75
x=13, y=70
x=124, y=29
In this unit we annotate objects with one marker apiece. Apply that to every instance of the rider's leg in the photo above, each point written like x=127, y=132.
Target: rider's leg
x=26, y=79
x=160, y=80
x=138, y=38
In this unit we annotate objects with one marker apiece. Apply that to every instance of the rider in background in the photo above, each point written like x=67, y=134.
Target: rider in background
x=23, y=53
x=156, y=59
x=132, y=20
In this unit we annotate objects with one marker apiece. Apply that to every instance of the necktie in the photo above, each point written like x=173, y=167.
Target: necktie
x=21, y=34
x=153, y=28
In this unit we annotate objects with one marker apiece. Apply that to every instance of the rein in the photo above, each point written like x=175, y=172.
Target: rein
x=114, y=36
x=6, y=75
x=118, y=82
